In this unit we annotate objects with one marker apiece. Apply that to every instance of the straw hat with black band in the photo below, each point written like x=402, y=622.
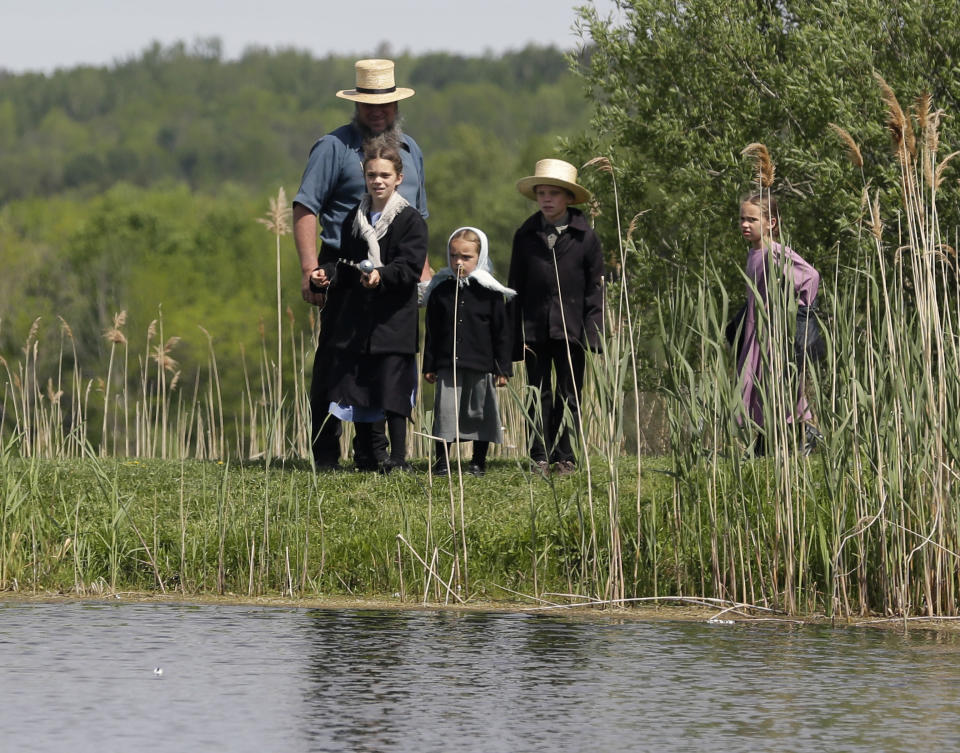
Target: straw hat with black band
x=375, y=84
x=554, y=172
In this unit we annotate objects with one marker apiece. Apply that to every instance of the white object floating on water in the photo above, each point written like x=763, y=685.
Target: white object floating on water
x=158, y=671
x=713, y=621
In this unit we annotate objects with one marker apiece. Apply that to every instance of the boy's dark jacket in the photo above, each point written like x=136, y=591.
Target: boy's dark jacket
x=535, y=312
x=384, y=319
x=483, y=332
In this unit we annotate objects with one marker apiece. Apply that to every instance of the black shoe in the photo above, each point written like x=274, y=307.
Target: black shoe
x=540, y=466
x=390, y=465
x=440, y=469
x=564, y=467
x=366, y=466
x=475, y=469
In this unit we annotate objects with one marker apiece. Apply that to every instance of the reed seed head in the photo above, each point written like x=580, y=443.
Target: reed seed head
x=65, y=328
x=938, y=175
x=53, y=395
x=278, y=218
x=763, y=165
x=900, y=130
x=601, y=163
x=876, y=225
x=853, y=151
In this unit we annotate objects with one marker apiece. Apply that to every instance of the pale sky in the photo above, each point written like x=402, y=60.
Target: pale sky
x=44, y=36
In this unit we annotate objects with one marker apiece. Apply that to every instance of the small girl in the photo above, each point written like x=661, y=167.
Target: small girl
x=466, y=326
x=759, y=224
x=371, y=311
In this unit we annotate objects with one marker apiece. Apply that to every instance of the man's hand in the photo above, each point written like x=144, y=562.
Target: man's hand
x=310, y=296
x=430, y=378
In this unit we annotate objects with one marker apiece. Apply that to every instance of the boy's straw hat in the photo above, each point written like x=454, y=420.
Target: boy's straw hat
x=375, y=84
x=553, y=172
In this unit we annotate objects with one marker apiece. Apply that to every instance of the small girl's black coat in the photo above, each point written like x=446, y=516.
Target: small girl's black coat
x=483, y=331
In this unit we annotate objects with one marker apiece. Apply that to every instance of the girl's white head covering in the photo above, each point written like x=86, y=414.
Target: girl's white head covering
x=482, y=275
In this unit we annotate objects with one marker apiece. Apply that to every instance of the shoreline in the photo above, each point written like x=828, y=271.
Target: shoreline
x=583, y=612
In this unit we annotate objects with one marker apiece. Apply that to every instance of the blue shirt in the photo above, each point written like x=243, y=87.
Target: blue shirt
x=333, y=184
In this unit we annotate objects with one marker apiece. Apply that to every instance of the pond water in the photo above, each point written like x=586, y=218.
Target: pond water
x=81, y=677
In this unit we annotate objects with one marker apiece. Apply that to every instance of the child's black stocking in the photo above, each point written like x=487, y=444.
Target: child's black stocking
x=397, y=429
x=480, y=453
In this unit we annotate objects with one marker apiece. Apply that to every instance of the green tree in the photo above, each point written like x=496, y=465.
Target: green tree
x=682, y=88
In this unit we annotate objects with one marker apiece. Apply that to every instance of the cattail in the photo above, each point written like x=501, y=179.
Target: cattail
x=152, y=330
x=175, y=381
x=278, y=218
x=853, y=151
x=762, y=163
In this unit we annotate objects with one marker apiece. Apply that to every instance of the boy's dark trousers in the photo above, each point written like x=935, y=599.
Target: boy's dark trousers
x=540, y=359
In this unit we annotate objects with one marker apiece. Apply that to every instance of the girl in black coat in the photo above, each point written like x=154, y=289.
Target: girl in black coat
x=371, y=320
x=556, y=268
x=467, y=349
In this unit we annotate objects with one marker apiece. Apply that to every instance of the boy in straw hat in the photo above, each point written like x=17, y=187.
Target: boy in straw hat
x=332, y=185
x=557, y=270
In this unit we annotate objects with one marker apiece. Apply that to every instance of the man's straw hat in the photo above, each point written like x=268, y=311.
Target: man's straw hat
x=553, y=172
x=375, y=84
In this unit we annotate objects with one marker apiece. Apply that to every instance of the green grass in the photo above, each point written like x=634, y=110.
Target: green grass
x=203, y=527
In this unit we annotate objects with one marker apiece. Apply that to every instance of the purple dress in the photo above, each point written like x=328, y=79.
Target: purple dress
x=780, y=260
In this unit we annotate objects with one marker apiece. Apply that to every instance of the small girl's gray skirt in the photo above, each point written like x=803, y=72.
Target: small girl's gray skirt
x=474, y=401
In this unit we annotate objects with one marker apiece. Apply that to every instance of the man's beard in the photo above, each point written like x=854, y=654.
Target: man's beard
x=392, y=136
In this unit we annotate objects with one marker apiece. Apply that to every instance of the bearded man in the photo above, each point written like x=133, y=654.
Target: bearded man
x=331, y=186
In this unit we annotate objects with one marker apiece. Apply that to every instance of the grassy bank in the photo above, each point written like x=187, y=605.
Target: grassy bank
x=94, y=525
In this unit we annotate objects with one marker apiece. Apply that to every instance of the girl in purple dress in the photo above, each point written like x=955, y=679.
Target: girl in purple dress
x=768, y=262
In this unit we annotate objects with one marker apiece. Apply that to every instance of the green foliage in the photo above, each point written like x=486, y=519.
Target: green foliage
x=682, y=88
